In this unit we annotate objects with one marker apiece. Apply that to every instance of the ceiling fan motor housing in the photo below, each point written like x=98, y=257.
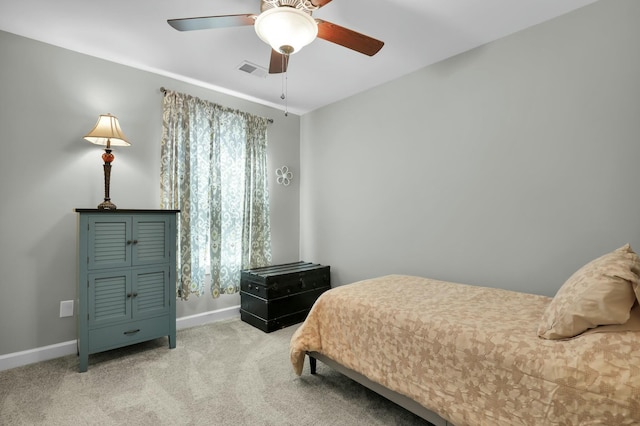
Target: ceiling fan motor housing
x=304, y=5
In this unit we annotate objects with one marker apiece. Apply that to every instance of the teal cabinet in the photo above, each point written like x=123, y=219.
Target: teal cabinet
x=126, y=278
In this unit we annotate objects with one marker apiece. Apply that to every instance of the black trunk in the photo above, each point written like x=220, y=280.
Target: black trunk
x=278, y=296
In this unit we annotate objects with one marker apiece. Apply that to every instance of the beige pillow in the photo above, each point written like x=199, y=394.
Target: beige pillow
x=599, y=293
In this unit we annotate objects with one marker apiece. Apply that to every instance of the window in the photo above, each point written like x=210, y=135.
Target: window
x=213, y=170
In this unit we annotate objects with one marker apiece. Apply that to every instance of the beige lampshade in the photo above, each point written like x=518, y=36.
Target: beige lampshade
x=107, y=131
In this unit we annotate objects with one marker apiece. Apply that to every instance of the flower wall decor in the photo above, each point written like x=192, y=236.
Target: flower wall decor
x=284, y=176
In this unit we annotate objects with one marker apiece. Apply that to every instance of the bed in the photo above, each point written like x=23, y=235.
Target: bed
x=457, y=354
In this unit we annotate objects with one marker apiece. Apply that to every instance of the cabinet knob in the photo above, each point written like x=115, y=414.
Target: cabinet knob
x=132, y=242
x=128, y=295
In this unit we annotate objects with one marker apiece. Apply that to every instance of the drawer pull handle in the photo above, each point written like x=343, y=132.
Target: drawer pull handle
x=130, y=332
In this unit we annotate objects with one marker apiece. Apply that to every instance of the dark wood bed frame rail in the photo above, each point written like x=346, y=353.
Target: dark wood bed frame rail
x=402, y=400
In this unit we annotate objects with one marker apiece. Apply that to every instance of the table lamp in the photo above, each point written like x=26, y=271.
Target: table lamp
x=107, y=132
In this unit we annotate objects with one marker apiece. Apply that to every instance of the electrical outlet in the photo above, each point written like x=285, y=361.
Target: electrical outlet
x=66, y=308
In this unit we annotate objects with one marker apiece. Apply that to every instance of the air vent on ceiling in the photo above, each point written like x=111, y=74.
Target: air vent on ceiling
x=253, y=69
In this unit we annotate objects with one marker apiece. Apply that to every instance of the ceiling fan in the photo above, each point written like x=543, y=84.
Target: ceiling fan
x=286, y=25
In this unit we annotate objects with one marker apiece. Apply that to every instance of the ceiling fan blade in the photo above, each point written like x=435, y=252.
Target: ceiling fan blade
x=348, y=38
x=319, y=3
x=278, y=63
x=210, y=22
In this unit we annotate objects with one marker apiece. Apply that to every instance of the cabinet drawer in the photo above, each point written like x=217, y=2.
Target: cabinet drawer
x=105, y=338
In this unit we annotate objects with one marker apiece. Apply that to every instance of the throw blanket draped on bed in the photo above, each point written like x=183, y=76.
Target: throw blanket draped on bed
x=472, y=355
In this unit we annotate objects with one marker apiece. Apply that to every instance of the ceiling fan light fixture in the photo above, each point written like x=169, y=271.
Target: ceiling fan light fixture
x=286, y=29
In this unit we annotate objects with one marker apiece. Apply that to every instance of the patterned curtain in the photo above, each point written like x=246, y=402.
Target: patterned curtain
x=213, y=168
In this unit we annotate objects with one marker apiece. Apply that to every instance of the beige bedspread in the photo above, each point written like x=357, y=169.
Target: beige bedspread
x=471, y=354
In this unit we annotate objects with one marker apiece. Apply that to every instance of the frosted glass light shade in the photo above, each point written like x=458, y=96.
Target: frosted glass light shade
x=286, y=29
x=107, y=129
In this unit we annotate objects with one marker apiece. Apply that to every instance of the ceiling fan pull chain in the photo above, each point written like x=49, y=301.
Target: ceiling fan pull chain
x=285, y=60
x=282, y=76
x=286, y=91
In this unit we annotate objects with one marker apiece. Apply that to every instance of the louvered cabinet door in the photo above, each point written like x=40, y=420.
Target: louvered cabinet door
x=151, y=291
x=109, y=297
x=110, y=241
x=150, y=244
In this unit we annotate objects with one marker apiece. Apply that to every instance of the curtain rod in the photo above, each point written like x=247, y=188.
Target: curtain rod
x=164, y=92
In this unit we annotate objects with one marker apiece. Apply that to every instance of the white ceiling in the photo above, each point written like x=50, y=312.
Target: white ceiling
x=416, y=33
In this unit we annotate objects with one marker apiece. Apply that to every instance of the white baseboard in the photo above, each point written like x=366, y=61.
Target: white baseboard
x=44, y=353
x=17, y=359
x=208, y=317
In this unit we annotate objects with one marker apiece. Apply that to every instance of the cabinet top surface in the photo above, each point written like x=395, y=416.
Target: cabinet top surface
x=81, y=210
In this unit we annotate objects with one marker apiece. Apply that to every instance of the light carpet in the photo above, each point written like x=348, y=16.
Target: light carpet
x=225, y=373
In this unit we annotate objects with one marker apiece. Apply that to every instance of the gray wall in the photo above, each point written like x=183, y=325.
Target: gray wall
x=49, y=99
x=510, y=165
